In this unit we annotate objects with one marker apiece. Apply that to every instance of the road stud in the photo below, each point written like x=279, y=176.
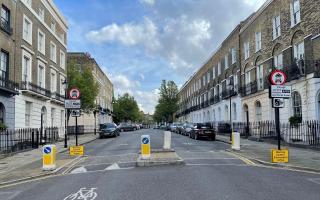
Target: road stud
x=49, y=157
x=145, y=147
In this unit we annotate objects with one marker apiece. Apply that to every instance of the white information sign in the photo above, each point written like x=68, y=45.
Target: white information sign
x=75, y=113
x=280, y=91
x=278, y=103
x=72, y=104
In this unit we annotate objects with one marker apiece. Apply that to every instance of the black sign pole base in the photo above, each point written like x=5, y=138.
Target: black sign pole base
x=76, y=131
x=277, y=118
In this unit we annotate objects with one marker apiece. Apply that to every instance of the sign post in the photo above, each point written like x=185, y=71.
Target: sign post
x=277, y=92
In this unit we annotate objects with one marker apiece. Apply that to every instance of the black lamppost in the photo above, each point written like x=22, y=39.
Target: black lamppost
x=65, y=84
x=95, y=122
x=231, y=87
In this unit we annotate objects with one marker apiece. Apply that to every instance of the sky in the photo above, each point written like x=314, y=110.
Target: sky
x=138, y=43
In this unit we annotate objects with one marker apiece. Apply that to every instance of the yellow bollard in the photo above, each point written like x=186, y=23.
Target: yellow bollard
x=145, y=147
x=49, y=157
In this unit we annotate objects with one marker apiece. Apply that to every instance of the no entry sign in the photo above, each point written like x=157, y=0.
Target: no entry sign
x=74, y=93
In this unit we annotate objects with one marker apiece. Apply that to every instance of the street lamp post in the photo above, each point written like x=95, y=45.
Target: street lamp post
x=230, y=106
x=95, y=123
x=65, y=84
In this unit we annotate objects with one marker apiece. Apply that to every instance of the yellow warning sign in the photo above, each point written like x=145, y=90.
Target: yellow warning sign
x=76, y=150
x=279, y=156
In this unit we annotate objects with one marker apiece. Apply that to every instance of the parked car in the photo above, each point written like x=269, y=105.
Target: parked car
x=156, y=127
x=127, y=127
x=108, y=130
x=186, y=129
x=203, y=130
x=179, y=128
x=173, y=127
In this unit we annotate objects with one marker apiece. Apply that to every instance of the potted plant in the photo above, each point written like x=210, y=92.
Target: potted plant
x=3, y=126
x=295, y=120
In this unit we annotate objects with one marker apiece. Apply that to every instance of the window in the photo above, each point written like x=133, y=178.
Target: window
x=27, y=30
x=5, y=19
x=258, y=111
x=234, y=108
x=41, y=14
x=219, y=68
x=246, y=50
x=41, y=42
x=53, y=81
x=4, y=64
x=41, y=76
x=233, y=55
x=62, y=60
x=28, y=114
x=278, y=64
x=226, y=63
x=258, y=41
x=295, y=12
x=298, y=51
x=208, y=77
x=260, y=77
x=53, y=113
x=53, y=26
x=296, y=104
x=53, y=52
x=235, y=82
x=276, y=27
x=26, y=69
x=213, y=72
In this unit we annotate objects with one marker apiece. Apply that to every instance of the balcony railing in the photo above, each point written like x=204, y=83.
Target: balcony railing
x=57, y=96
x=9, y=85
x=248, y=89
x=35, y=88
x=301, y=68
x=228, y=93
x=5, y=26
x=216, y=98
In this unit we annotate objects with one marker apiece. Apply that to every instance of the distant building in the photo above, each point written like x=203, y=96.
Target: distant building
x=104, y=99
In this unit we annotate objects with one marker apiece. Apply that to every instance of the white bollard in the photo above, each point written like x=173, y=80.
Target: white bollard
x=167, y=140
x=236, y=141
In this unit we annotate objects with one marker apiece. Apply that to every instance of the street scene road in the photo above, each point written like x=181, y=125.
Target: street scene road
x=108, y=171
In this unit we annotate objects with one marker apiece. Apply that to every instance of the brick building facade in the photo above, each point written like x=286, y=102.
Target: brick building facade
x=282, y=34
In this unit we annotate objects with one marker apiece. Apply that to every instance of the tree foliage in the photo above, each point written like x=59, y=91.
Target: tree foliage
x=168, y=102
x=88, y=87
x=126, y=109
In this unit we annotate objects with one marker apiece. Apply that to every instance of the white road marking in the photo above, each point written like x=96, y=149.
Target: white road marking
x=79, y=170
x=315, y=180
x=9, y=195
x=83, y=194
x=211, y=159
x=114, y=166
x=217, y=164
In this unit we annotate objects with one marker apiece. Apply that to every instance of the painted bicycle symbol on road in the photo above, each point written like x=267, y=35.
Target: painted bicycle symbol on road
x=83, y=194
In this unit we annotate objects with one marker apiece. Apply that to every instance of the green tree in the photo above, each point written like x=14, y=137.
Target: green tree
x=125, y=109
x=88, y=87
x=168, y=102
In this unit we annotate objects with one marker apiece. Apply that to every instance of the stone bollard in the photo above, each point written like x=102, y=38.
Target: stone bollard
x=167, y=140
x=236, y=141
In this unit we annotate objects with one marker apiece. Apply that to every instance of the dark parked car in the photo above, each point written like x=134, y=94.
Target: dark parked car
x=108, y=130
x=179, y=128
x=186, y=129
x=203, y=130
x=127, y=127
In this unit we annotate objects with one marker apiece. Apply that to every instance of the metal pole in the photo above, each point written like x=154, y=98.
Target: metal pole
x=277, y=118
x=231, y=126
x=95, y=123
x=76, y=131
x=65, y=123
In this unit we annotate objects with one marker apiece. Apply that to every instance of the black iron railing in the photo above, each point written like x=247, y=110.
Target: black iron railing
x=248, y=89
x=35, y=88
x=8, y=84
x=27, y=138
x=57, y=96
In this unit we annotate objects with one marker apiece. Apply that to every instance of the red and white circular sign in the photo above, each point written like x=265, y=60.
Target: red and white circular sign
x=74, y=93
x=278, y=77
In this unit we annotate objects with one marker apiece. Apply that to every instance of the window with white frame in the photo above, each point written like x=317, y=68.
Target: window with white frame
x=219, y=68
x=258, y=111
x=208, y=77
x=27, y=30
x=226, y=61
x=233, y=55
x=26, y=68
x=28, y=113
x=53, y=81
x=235, y=79
x=247, y=77
x=213, y=73
x=41, y=75
x=278, y=63
x=276, y=27
x=41, y=42
x=62, y=60
x=61, y=85
x=295, y=12
x=298, y=51
x=41, y=14
x=53, y=52
x=246, y=46
x=258, y=41
x=4, y=64
x=260, y=77
x=296, y=104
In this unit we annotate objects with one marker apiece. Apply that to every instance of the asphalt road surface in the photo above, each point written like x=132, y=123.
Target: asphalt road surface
x=108, y=172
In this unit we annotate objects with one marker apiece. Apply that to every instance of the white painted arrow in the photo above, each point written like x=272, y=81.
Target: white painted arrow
x=113, y=167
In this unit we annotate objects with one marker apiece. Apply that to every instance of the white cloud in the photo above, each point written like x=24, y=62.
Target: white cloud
x=148, y=2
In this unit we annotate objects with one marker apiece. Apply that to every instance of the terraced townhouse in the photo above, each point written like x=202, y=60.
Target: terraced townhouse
x=104, y=111
x=282, y=34
x=35, y=55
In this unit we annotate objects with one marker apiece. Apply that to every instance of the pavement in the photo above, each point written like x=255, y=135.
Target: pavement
x=28, y=164
x=108, y=171
x=260, y=152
